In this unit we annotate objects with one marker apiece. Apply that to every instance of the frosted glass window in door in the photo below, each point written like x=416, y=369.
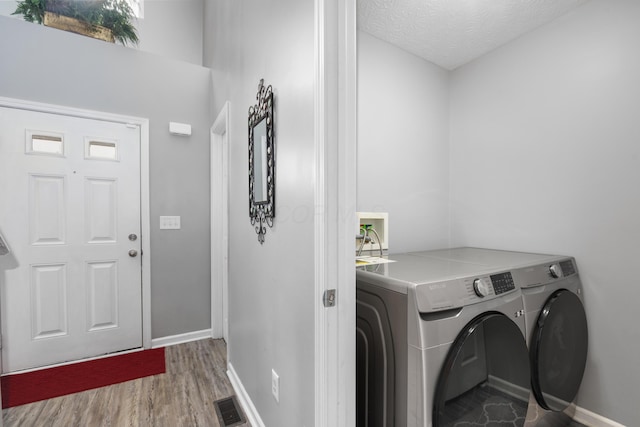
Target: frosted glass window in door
x=107, y=150
x=46, y=143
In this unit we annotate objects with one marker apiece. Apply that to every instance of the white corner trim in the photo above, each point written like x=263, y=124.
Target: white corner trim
x=243, y=397
x=323, y=384
x=588, y=418
x=335, y=219
x=219, y=180
x=181, y=338
x=145, y=238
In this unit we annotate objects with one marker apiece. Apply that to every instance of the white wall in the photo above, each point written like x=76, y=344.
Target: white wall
x=403, y=144
x=58, y=67
x=271, y=286
x=171, y=28
x=545, y=156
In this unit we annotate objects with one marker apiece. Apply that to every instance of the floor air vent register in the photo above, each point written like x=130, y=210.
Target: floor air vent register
x=228, y=413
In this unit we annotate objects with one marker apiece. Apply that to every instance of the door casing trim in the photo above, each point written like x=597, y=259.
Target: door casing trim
x=219, y=166
x=145, y=212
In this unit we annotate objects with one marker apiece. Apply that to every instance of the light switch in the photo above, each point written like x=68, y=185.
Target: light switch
x=169, y=223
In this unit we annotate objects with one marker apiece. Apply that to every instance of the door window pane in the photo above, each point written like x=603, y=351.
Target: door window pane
x=45, y=143
x=107, y=150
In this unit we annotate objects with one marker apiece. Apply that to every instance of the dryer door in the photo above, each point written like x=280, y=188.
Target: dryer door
x=559, y=350
x=485, y=379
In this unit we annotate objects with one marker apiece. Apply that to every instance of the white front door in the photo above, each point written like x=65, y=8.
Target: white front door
x=70, y=209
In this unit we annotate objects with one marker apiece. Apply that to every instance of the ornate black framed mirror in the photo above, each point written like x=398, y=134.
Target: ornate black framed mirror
x=262, y=165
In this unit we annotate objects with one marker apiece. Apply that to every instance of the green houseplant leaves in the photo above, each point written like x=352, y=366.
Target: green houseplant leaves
x=116, y=15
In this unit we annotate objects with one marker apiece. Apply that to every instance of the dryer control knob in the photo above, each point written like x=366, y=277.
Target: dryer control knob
x=481, y=288
x=555, y=271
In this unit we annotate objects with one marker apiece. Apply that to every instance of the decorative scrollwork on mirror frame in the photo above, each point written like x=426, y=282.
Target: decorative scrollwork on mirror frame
x=262, y=165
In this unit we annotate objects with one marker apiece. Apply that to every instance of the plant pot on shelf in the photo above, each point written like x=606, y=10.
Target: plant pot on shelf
x=74, y=25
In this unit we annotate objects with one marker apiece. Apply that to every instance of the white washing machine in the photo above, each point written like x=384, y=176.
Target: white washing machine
x=440, y=342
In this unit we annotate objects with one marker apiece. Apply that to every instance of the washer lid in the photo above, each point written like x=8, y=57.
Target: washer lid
x=488, y=257
x=438, y=284
x=415, y=270
x=559, y=350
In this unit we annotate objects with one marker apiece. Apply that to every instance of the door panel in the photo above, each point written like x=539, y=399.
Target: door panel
x=69, y=198
x=100, y=210
x=49, y=300
x=102, y=295
x=47, y=219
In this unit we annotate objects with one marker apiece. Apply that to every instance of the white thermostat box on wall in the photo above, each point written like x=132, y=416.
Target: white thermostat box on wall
x=183, y=129
x=379, y=221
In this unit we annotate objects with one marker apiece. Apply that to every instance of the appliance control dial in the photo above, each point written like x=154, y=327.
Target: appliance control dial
x=555, y=271
x=481, y=287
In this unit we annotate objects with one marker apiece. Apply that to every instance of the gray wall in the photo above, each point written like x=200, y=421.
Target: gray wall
x=171, y=28
x=545, y=156
x=7, y=7
x=271, y=286
x=403, y=144
x=46, y=65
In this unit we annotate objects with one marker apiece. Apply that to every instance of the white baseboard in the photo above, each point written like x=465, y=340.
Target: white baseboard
x=588, y=418
x=181, y=338
x=581, y=415
x=247, y=405
x=513, y=390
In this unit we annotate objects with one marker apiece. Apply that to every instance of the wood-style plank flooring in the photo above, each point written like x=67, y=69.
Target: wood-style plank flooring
x=183, y=396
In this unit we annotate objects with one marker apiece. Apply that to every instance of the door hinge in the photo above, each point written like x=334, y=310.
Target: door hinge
x=329, y=298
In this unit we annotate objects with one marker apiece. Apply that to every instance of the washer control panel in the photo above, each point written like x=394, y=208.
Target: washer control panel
x=562, y=268
x=567, y=268
x=494, y=284
x=502, y=282
x=481, y=287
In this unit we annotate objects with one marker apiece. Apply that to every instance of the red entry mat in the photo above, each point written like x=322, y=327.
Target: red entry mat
x=19, y=389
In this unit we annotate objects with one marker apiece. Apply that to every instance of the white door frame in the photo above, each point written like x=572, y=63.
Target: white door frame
x=335, y=200
x=219, y=175
x=145, y=230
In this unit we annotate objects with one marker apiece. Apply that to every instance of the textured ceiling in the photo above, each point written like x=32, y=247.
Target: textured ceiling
x=451, y=33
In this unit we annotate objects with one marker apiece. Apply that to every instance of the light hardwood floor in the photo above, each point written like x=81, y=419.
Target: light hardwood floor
x=183, y=396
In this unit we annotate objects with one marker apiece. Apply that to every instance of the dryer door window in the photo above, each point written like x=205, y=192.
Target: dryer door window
x=485, y=379
x=559, y=351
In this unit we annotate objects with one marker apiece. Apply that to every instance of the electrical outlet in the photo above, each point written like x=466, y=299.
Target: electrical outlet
x=275, y=385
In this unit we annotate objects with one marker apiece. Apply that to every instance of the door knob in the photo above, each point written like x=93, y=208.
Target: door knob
x=133, y=253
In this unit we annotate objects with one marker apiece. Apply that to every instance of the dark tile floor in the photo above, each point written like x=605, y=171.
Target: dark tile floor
x=486, y=406
x=538, y=417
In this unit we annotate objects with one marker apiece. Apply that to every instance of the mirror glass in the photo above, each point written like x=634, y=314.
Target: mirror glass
x=260, y=194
